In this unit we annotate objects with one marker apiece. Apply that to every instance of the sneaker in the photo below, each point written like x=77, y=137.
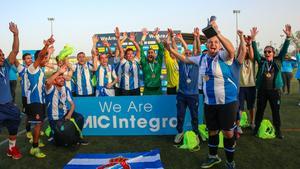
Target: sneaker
x=211, y=161
x=83, y=142
x=14, y=153
x=239, y=130
x=50, y=139
x=299, y=104
x=178, y=138
x=41, y=144
x=29, y=135
x=37, y=152
x=229, y=165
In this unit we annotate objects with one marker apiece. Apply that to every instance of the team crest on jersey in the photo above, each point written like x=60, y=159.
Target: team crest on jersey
x=114, y=161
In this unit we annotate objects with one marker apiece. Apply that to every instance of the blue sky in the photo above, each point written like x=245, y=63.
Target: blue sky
x=76, y=21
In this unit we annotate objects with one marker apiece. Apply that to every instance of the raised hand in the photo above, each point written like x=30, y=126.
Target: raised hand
x=117, y=33
x=179, y=36
x=155, y=32
x=13, y=28
x=63, y=69
x=49, y=41
x=132, y=36
x=105, y=43
x=253, y=32
x=125, y=36
x=196, y=32
x=145, y=31
x=95, y=39
x=215, y=26
x=288, y=30
x=240, y=33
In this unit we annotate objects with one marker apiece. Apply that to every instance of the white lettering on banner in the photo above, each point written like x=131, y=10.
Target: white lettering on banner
x=148, y=107
x=106, y=107
x=152, y=124
x=142, y=123
x=100, y=124
x=141, y=107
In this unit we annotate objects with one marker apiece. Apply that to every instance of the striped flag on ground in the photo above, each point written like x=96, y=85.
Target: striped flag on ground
x=142, y=160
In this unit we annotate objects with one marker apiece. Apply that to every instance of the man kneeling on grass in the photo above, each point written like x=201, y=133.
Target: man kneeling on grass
x=57, y=96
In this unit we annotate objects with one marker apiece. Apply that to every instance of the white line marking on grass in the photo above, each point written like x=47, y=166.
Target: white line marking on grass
x=21, y=132
x=6, y=140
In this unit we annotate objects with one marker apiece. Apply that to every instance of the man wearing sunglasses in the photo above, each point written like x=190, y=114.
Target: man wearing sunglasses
x=269, y=80
x=151, y=65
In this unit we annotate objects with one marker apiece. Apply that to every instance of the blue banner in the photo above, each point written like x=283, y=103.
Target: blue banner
x=131, y=115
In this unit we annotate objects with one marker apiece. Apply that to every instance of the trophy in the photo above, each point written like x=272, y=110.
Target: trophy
x=209, y=31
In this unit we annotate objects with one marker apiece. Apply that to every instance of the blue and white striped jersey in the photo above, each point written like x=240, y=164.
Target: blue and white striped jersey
x=34, y=79
x=128, y=73
x=104, y=76
x=220, y=78
x=83, y=79
x=56, y=101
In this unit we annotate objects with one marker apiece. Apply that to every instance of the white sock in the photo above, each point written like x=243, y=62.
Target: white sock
x=11, y=144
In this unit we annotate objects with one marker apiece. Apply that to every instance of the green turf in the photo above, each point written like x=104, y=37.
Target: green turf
x=251, y=152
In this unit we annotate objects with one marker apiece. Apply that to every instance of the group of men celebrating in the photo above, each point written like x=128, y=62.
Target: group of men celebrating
x=225, y=77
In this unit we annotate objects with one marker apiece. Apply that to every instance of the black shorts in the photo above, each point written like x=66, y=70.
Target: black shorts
x=221, y=117
x=247, y=94
x=24, y=103
x=36, y=112
x=171, y=90
x=10, y=117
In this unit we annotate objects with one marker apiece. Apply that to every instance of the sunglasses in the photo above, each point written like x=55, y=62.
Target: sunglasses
x=188, y=53
x=267, y=52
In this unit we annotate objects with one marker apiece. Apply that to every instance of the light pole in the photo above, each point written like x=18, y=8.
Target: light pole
x=51, y=21
x=236, y=12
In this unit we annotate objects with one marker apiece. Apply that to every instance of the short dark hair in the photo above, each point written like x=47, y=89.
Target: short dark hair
x=273, y=49
x=80, y=53
x=36, y=54
x=127, y=50
x=25, y=54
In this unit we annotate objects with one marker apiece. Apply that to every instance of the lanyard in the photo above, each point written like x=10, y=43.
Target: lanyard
x=2, y=70
x=187, y=70
x=151, y=67
x=269, y=67
x=208, y=64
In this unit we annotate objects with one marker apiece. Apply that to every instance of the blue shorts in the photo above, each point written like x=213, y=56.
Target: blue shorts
x=10, y=117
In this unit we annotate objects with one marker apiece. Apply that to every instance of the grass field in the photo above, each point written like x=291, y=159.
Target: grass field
x=251, y=152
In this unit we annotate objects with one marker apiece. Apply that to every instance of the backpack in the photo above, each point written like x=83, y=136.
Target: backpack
x=65, y=133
